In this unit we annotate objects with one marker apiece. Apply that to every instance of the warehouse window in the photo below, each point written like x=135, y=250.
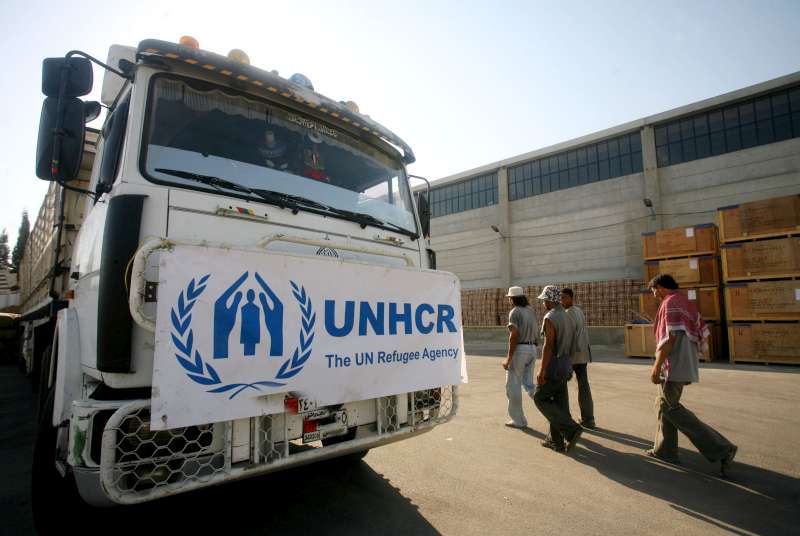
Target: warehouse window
x=599, y=161
x=469, y=194
x=757, y=121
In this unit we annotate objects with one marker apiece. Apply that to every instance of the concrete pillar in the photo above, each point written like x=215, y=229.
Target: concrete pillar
x=504, y=224
x=652, y=186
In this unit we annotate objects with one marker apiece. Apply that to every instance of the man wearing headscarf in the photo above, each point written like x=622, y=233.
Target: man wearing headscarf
x=681, y=335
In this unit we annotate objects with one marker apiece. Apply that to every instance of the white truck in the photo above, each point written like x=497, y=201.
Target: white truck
x=249, y=285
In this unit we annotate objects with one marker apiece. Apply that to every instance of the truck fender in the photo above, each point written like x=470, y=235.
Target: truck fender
x=68, y=369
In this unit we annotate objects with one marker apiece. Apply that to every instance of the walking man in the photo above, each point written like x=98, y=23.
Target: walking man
x=680, y=335
x=580, y=358
x=551, y=384
x=521, y=357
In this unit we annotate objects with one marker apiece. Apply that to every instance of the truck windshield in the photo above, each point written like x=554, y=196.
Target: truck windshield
x=200, y=129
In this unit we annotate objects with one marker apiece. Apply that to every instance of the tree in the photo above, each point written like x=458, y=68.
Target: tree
x=4, y=250
x=22, y=241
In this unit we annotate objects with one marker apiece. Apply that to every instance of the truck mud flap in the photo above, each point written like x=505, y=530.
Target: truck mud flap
x=114, y=322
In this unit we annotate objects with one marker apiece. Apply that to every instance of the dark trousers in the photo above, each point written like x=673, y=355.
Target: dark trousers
x=552, y=399
x=673, y=416
x=584, y=393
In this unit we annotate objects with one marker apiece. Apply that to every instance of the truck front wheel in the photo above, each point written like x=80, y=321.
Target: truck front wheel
x=52, y=496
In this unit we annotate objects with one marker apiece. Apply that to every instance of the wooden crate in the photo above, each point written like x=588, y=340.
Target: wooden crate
x=640, y=341
x=760, y=219
x=765, y=343
x=761, y=259
x=680, y=242
x=690, y=272
x=479, y=307
x=767, y=300
x=706, y=299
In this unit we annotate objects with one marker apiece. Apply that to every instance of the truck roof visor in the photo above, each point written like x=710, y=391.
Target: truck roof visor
x=278, y=88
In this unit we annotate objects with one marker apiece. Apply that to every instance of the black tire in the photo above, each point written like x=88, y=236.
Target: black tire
x=44, y=376
x=52, y=496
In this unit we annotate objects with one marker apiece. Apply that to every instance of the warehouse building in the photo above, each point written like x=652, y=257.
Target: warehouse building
x=573, y=213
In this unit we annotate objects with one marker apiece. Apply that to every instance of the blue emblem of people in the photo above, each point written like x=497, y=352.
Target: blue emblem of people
x=255, y=305
x=229, y=305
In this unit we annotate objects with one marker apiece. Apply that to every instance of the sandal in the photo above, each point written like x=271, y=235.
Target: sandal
x=652, y=454
x=548, y=443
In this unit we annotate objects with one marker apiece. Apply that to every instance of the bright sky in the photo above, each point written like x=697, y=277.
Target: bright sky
x=464, y=83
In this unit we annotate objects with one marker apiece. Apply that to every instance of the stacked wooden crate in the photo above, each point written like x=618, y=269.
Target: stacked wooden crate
x=480, y=306
x=691, y=256
x=761, y=271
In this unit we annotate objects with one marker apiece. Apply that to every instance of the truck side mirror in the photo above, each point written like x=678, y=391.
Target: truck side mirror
x=424, y=209
x=62, y=125
x=60, y=164
x=77, y=72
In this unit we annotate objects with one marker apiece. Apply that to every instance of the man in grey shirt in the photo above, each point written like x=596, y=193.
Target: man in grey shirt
x=551, y=384
x=679, y=330
x=580, y=358
x=521, y=357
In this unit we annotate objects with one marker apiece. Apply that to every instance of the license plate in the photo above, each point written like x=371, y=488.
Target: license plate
x=336, y=428
x=316, y=414
x=340, y=417
x=304, y=405
x=312, y=436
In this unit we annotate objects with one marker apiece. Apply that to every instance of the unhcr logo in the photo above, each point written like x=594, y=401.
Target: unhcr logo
x=327, y=252
x=382, y=318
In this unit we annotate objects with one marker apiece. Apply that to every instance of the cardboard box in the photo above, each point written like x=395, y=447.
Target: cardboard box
x=707, y=301
x=689, y=272
x=680, y=242
x=765, y=343
x=640, y=341
x=767, y=300
x=773, y=258
x=768, y=217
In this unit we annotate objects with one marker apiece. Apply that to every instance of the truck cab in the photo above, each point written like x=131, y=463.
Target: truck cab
x=204, y=153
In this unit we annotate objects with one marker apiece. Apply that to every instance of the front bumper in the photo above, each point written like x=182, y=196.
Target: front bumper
x=137, y=465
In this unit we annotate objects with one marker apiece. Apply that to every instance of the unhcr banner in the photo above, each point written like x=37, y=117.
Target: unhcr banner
x=238, y=330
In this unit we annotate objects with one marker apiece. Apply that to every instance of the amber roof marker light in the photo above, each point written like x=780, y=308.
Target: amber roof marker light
x=189, y=41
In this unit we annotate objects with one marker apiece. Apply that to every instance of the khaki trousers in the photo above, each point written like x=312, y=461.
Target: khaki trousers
x=673, y=416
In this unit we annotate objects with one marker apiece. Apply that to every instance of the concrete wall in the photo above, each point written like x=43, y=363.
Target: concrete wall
x=592, y=232
x=598, y=335
x=466, y=245
x=748, y=175
x=585, y=233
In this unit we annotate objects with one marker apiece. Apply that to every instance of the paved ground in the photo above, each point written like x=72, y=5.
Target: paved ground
x=17, y=430
x=474, y=476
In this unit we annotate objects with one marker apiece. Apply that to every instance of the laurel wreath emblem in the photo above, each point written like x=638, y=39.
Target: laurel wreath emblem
x=201, y=372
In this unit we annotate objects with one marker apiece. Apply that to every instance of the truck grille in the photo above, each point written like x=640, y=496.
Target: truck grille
x=138, y=464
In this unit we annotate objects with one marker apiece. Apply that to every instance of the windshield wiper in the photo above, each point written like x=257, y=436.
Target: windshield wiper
x=215, y=182
x=294, y=199
x=293, y=202
x=218, y=183
x=368, y=219
x=362, y=218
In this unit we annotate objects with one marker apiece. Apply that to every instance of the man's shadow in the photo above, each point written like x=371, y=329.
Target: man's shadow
x=753, y=500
